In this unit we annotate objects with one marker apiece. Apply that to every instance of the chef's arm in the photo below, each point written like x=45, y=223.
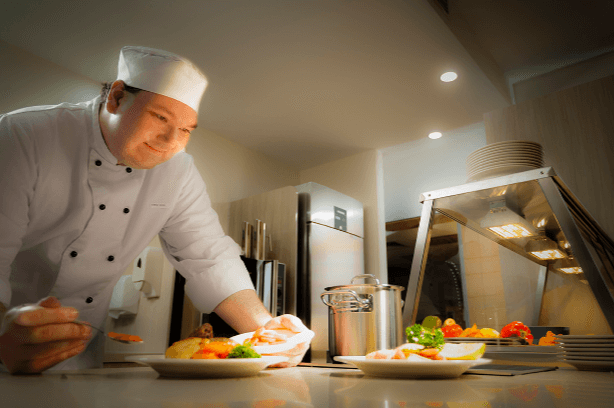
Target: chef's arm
x=243, y=311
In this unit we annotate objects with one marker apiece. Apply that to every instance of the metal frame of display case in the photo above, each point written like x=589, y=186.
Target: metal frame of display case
x=591, y=247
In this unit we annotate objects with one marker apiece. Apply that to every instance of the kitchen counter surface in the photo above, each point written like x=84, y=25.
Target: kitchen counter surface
x=135, y=387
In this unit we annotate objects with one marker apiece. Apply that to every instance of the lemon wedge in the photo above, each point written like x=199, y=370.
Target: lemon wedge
x=463, y=351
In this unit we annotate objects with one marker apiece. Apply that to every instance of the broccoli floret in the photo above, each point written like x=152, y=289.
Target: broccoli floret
x=429, y=338
x=243, y=351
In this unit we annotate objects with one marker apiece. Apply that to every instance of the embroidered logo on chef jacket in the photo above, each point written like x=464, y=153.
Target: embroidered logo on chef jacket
x=159, y=205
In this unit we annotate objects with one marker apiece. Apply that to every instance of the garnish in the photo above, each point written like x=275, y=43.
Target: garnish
x=430, y=338
x=243, y=351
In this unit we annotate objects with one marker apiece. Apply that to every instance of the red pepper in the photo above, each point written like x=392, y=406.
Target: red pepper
x=452, y=330
x=517, y=329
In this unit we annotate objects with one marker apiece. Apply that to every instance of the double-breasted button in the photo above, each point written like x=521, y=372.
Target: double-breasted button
x=110, y=258
x=126, y=210
x=128, y=170
x=74, y=254
x=102, y=206
x=98, y=163
x=89, y=300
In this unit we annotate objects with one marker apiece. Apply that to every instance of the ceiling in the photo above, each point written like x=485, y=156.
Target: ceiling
x=306, y=82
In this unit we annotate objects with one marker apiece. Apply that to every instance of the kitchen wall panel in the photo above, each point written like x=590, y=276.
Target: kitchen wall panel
x=575, y=126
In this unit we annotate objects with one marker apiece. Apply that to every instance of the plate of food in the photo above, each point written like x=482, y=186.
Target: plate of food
x=273, y=341
x=207, y=368
x=410, y=368
x=426, y=355
x=209, y=357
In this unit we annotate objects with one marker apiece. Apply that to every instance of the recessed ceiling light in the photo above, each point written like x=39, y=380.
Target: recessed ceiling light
x=435, y=135
x=448, y=76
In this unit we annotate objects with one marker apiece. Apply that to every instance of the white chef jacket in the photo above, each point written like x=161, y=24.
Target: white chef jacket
x=72, y=220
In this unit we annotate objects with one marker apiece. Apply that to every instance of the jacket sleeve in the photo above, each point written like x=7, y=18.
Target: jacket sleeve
x=18, y=172
x=198, y=248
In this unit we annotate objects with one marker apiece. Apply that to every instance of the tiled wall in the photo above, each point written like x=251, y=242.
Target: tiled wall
x=485, y=291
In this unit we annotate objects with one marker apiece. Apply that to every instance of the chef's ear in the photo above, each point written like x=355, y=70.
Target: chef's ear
x=115, y=96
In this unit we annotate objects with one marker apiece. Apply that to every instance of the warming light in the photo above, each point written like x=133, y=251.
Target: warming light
x=544, y=248
x=567, y=265
x=506, y=223
x=448, y=76
x=435, y=135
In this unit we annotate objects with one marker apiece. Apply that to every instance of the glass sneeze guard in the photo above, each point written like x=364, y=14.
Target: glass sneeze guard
x=534, y=216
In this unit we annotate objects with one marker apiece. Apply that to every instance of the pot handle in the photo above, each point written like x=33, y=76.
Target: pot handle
x=362, y=303
x=365, y=277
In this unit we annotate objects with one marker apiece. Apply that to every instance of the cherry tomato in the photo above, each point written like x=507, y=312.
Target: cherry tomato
x=452, y=330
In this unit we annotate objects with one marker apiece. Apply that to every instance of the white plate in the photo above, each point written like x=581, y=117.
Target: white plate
x=587, y=358
x=488, y=341
x=585, y=348
x=411, y=369
x=592, y=365
x=302, y=337
x=571, y=350
x=606, y=346
x=523, y=349
x=497, y=172
x=565, y=337
x=204, y=368
x=586, y=354
x=568, y=342
x=527, y=357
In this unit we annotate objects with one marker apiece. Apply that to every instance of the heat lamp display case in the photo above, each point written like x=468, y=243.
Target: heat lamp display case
x=529, y=251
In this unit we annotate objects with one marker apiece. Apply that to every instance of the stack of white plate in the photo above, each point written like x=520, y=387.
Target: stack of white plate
x=590, y=352
x=502, y=158
x=509, y=341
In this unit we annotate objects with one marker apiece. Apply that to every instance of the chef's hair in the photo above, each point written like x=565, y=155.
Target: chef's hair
x=106, y=87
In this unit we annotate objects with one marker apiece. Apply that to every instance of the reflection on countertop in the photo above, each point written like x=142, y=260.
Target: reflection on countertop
x=305, y=387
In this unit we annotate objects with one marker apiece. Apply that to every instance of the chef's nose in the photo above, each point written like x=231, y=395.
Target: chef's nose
x=171, y=135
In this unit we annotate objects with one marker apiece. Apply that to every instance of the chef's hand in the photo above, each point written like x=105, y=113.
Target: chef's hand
x=34, y=339
x=289, y=325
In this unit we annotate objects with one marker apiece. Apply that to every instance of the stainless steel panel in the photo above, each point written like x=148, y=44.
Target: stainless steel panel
x=319, y=202
x=334, y=258
x=542, y=202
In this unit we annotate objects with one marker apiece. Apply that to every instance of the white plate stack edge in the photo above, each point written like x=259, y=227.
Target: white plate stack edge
x=587, y=352
x=502, y=158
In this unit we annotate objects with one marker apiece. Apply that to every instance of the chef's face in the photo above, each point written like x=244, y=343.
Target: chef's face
x=146, y=129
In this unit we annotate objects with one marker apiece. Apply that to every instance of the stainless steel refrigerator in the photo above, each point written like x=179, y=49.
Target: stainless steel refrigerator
x=330, y=253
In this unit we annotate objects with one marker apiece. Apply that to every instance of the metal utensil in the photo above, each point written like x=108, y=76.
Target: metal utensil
x=102, y=331
x=13, y=313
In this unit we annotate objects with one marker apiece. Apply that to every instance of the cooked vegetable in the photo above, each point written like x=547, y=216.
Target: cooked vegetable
x=214, y=350
x=452, y=330
x=243, y=351
x=418, y=334
x=548, y=340
x=517, y=329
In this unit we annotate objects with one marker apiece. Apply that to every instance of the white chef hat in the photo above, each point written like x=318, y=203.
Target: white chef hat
x=163, y=73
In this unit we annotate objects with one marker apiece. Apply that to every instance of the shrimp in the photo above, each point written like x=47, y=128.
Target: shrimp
x=265, y=337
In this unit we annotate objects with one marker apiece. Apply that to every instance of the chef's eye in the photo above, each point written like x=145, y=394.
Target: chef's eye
x=186, y=131
x=162, y=118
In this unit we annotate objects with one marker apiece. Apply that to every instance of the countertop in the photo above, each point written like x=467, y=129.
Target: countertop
x=302, y=386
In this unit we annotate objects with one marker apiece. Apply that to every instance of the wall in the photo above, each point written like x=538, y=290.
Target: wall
x=425, y=165
x=575, y=126
x=359, y=177
x=28, y=80
x=232, y=171
x=587, y=70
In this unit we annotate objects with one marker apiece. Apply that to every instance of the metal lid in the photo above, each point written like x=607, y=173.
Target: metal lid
x=366, y=287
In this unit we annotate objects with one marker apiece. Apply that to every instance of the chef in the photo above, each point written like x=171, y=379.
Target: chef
x=84, y=188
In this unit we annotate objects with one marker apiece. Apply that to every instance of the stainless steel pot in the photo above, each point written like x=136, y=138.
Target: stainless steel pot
x=363, y=317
